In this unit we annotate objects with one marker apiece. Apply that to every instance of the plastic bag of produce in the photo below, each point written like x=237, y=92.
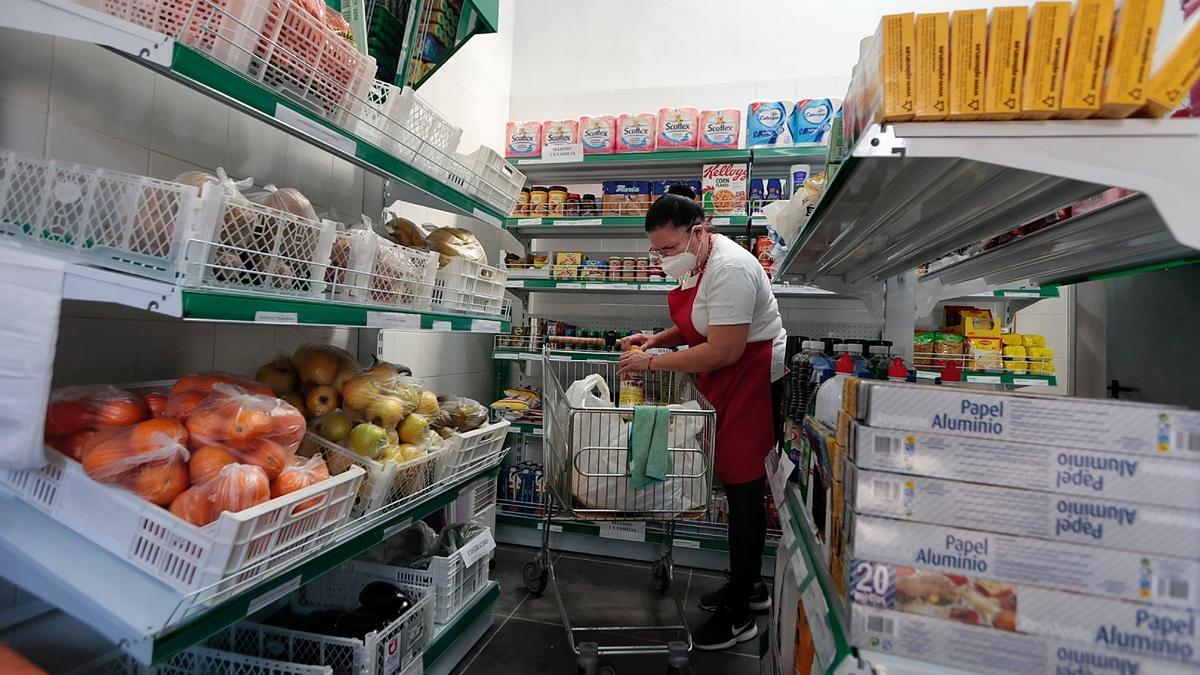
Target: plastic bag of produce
x=404, y=232
x=79, y=408
x=450, y=242
x=236, y=487
x=257, y=429
x=301, y=472
x=288, y=200
x=189, y=390
x=324, y=365
x=463, y=414
x=148, y=458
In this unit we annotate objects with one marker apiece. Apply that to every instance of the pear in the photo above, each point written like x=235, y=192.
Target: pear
x=413, y=429
x=368, y=440
x=387, y=410
x=335, y=426
x=427, y=403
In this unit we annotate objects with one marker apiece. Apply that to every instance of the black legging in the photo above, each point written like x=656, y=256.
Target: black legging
x=748, y=523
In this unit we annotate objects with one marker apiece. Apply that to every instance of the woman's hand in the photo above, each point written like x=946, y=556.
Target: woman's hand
x=634, y=361
x=636, y=340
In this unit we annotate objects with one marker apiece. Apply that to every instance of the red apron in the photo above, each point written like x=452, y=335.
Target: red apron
x=740, y=393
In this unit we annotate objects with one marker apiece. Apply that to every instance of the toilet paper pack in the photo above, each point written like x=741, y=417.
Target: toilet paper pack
x=767, y=124
x=812, y=119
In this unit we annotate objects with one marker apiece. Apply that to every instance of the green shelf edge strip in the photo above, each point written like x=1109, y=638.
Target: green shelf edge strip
x=587, y=529
x=193, y=65
x=454, y=630
x=591, y=284
x=808, y=544
x=640, y=157
x=1050, y=291
x=215, y=306
x=637, y=223
x=204, y=626
x=1009, y=379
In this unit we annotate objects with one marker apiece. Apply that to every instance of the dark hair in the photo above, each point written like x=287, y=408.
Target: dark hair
x=677, y=210
x=683, y=190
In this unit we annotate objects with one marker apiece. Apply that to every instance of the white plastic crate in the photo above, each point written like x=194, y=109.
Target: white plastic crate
x=473, y=450
x=453, y=582
x=380, y=272
x=217, y=559
x=383, y=120
x=300, y=58
x=477, y=502
x=256, y=248
x=471, y=287
x=225, y=30
x=132, y=224
x=434, y=138
x=385, y=483
x=387, y=651
x=198, y=661
x=494, y=180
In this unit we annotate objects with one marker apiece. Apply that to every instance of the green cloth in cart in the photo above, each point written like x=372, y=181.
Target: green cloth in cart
x=649, y=461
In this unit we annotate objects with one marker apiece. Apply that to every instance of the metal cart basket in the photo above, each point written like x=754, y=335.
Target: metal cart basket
x=587, y=473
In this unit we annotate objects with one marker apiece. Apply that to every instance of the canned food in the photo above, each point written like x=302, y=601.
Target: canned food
x=629, y=269
x=615, y=266
x=643, y=269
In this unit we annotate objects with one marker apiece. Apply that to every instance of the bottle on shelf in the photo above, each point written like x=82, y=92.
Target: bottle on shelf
x=632, y=387
x=829, y=395
x=897, y=371
x=810, y=367
x=862, y=367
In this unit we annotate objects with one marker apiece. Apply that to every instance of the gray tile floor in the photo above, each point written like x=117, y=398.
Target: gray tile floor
x=528, y=636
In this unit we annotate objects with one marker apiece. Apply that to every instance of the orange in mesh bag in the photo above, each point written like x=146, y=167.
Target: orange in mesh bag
x=78, y=408
x=256, y=429
x=149, y=458
x=236, y=487
x=300, y=473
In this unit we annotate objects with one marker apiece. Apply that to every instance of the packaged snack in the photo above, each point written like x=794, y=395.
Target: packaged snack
x=720, y=129
x=1087, y=55
x=1135, y=32
x=1005, y=62
x=888, y=70
x=948, y=348
x=968, y=36
x=985, y=353
x=1030, y=340
x=923, y=349
x=678, y=128
x=1176, y=68
x=559, y=133
x=625, y=197
x=539, y=200
x=799, y=174
x=523, y=139
x=662, y=187
x=1045, y=60
x=599, y=134
x=636, y=133
x=767, y=123
x=812, y=119
x=931, y=70
x=723, y=189
x=556, y=199
x=1012, y=339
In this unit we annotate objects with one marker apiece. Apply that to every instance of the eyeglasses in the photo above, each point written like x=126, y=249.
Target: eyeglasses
x=677, y=247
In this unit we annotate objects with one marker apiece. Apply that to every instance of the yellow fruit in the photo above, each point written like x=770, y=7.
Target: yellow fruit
x=409, y=452
x=413, y=429
x=427, y=403
x=278, y=375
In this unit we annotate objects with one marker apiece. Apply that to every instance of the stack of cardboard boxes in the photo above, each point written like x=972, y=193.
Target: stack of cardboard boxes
x=1011, y=533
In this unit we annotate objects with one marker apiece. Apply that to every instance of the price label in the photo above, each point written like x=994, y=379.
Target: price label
x=613, y=287
x=787, y=537
x=273, y=595
x=478, y=548
x=1021, y=294
x=529, y=221
x=276, y=317
x=505, y=357
x=392, y=652
x=529, y=356
x=720, y=221
x=536, y=431
x=556, y=528
x=445, y=326
x=485, y=326
x=687, y=543
x=799, y=568
x=396, y=320
x=313, y=128
x=558, y=154
x=486, y=217
x=1026, y=382
x=817, y=613
x=623, y=530
x=984, y=379
x=570, y=285
x=580, y=222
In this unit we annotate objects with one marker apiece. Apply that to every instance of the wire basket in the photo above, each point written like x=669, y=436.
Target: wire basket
x=300, y=58
x=132, y=224
x=386, y=651
x=197, y=661
x=494, y=180
x=367, y=268
x=587, y=455
x=257, y=248
x=470, y=287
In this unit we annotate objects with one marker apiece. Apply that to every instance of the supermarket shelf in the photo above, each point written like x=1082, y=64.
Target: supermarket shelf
x=453, y=640
x=890, y=664
x=99, y=285
x=910, y=193
x=618, y=226
x=526, y=428
x=563, y=286
x=665, y=164
x=1005, y=379
x=139, y=612
x=162, y=54
x=777, y=160
x=555, y=355
x=478, y=17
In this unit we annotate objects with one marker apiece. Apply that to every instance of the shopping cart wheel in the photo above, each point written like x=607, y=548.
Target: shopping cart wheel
x=589, y=663
x=661, y=576
x=677, y=659
x=536, y=577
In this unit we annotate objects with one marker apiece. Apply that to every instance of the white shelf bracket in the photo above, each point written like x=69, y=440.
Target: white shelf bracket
x=63, y=18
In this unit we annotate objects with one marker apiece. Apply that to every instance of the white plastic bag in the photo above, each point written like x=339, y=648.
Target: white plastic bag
x=602, y=429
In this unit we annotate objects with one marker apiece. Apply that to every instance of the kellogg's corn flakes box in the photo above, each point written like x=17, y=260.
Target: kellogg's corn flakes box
x=723, y=189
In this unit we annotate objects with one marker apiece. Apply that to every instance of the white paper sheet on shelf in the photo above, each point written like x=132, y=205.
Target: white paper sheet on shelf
x=30, y=299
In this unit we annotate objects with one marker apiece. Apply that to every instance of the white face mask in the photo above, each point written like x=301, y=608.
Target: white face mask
x=679, y=265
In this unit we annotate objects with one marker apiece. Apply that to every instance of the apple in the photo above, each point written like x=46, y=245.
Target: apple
x=413, y=429
x=296, y=401
x=360, y=391
x=278, y=375
x=316, y=366
x=322, y=400
x=343, y=376
x=335, y=426
x=427, y=403
x=368, y=440
x=387, y=410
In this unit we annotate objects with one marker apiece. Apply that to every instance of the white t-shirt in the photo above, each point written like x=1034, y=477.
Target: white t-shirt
x=735, y=290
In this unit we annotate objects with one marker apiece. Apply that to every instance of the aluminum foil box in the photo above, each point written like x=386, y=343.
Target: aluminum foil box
x=1081, y=520
x=986, y=650
x=1106, y=426
x=1147, y=480
x=1092, y=622
x=1161, y=580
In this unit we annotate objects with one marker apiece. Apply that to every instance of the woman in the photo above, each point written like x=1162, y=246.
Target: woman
x=724, y=311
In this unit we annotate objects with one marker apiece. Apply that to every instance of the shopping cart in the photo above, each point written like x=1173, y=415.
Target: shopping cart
x=587, y=473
